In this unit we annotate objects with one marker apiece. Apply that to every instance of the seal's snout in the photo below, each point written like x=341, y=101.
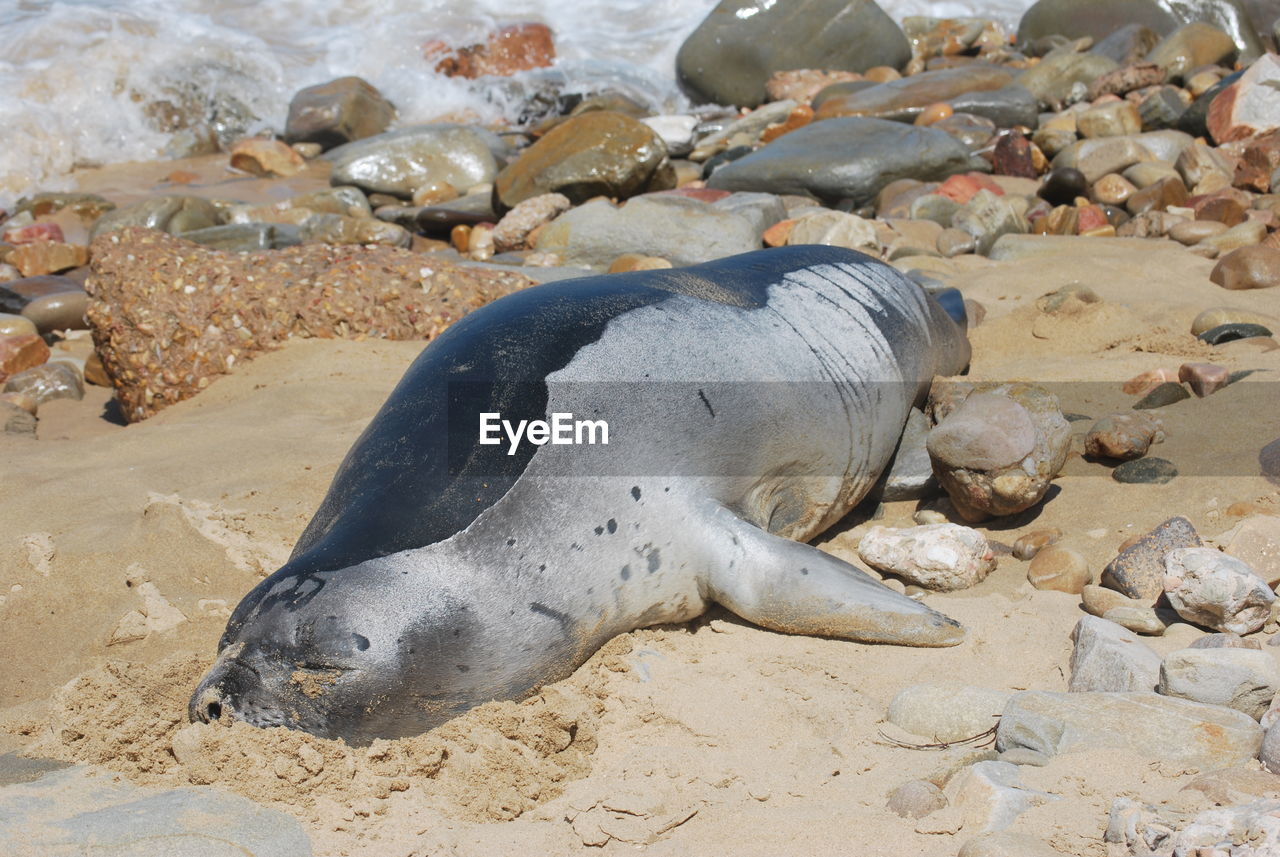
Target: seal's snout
x=206, y=705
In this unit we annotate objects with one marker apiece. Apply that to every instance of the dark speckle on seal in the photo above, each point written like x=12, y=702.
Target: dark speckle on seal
x=757, y=398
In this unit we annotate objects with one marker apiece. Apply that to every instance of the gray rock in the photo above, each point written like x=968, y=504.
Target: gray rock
x=245, y=237
x=17, y=421
x=1108, y=657
x=762, y=209
x=990, y=795
x=910, y=474
x=907, y=97
x=937, y=208
x=1158, y=727
x=1216, y=590
x=401, y=161
x=1138, y=571
x=1224, y=641
x=987, y=217
x=1008, y=106
x=1270, y=753
x=946, y=712
x=1128, y=44
x=74, y=812
x=916, y=799
x=732, y=53
x=1051, y=81
x=681, y=230
x=1161, y=109
x=849, y=158
x=1243, y=679
x=172, y=214
x=53, y=380
x=1145, y=471
x=337, y=112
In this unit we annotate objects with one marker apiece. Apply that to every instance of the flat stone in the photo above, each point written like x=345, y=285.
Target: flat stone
x=946, y=712
x=835, y=229
x=907, y=97
x=1216, y=316
x=1244, y=234
x=1160, y=728
x=1138, y=571
x=1109, y=657
x=401, y=161
x=1194, y=231
x=1235, y=785
x=1145, y=471
x=1243, y=679
x=337, y=112
x=1224, y=333
x=941, y=557
x=1052, y=79
x=1216, y=590
x=849, y=158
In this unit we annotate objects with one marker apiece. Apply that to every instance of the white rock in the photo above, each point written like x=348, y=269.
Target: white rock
x=1243, y=679
x=990, y=795
x=943, y=557
x=835, y=229
x=947, y=712
x=675, y=129
x=1216, y=590
x=1110, y=657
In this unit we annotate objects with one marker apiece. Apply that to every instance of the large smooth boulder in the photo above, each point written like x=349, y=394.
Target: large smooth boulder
x=399, y=162
x=736, y=49
x=850, y=158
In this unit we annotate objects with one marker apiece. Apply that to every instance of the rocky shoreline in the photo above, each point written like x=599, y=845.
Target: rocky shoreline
x=1096, y=500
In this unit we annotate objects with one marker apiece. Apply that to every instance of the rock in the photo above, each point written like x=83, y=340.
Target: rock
x=682, y=230
x=1059, y=569
x=1132, y=826
x=738, y=47
x=1145, y=471
x=1243, y=679
x=996, y=452
x=1028, y=545
x=803, y=85
x=50, y=303
x=1270, y=752
x=244, y=237
x=1258, y=162
x=1007, y=107
x=1216, y=590
x=1197, y=162
x=1006, y=844
x=263, y=157
x=1190, y=232
x=12, y=324
x=1242, y=235
x=636, y=262
x=32, y=233
x=1215, y=316
x=1052, y=80
x=1255, y=541
x=745, y=128
x=507, y=50
x=1138, y=571
x=337, y=112
x=1256, y=267
x=763, y=209
x=401, y=161
x=849, y=158
x=1061, y=186
x=907, y=98
x=836, y=229
x=963, y=188
x=516, y=224
x=1161, y=109
x=21, y=352
x=916, y=799
x=1126, y=79
x=987, y=217
x=1108, y=657
x=16, y=421
x=136, y=310
x=1248, y=106
x=1127, y=44
x=1204, y=378
x=339, y=229
x=973, y=132
x=941, y=557
x=1231, y=332
x=78, y=811
x=1161, y=196
x=1168, y=393
x=1225, y=641
x=990, y=795
x=170, y=214
x=1146, y=173
x=1110, y=120
x=1160, y=728
x=1012, y=156
x=946, y=712
x=1123, y=436
x=954, y=242
x=601, y=153
x=910, y=475
x=1235, y=785
x=1112, y=189
x=1191, y=46
x=48, y=257
x=47, y=382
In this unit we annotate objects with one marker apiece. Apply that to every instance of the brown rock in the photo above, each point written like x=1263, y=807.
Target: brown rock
x=1223, y=210
x=20, y=353
x=266, y=297
x=1126, y=79
x=1259, y=160
x=934, y=113
x=1012, y=156
x=94, y=373
x=601, y=153
x=777, y=234
x=48, y=257
x=1138, y=571
x=804, y=83
x=337, y=112
x=1203, y=378
x=518, y=47
x=1112, y=189
x=637, y=262
x=1159, y=196
x=263, y=157
x=1060, y=569
x=1123, y=436
x=1140, y=385
x=1191, y=232
x=1255, y=267
x=50, y=302
x=799, y=117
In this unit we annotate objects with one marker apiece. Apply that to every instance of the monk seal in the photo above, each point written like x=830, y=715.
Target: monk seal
x=750, y=402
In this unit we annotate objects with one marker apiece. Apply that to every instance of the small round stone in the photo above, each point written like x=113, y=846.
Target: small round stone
x=1149, y=471
x=916, y=799
x=1030, y=544
x=1062, y=186
x=1060, y=569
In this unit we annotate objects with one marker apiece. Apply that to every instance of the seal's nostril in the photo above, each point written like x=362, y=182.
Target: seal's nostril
x=206, y=705
x=212, y=712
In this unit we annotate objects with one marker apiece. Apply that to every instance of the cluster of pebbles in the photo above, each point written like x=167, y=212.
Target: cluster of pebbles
x=940, y=138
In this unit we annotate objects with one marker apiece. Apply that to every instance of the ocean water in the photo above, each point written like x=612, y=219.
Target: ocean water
x=101, y=81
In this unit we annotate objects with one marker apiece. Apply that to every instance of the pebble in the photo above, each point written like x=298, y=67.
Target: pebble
x=1256, y=267
x=56, y=380
x=514, y=227
x=1256, y=542
x=17, y=420
x=172, y=214
x=398, y=162
x=1167, y=393
x=1241, y=235
x=260, y=156
x=1029, y=544
x=20, y=352
x=337, y=112
x=637, y=262
x=505, y=50
x=1246, y=106
x=990, y=795
x=1160, y=728
x=50, y=303
x=940, y=557
x=1108, y=657
x=48, y=257
x=1216, y=590
x=1191, y=232
x=1204, y=378
x=1269, y=754
x=955, y=242
x=1193, y=45
x=1243, y=679
x=1110, y=120
x=916, y=799
x=1062, y=186
x=1112, y=189
x=1059, y=569
x=1145, y=471
x=94, y=373
x=1138, y=571
x=1123, y=436
x=1218, y=316
x=1224, y=641
x=987, y=217
x=22, y=400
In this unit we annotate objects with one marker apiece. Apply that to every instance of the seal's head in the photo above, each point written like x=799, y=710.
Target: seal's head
x=352, y=653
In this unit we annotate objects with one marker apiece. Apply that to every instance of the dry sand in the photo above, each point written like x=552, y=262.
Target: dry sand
x=710, y=737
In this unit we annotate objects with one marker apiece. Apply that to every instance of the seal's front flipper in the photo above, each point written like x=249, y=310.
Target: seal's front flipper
x=796, y=588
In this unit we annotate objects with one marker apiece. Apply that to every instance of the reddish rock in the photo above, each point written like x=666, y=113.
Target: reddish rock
x=963, y=188
x=1159, y=196
x=1012, y=157
x=777, y=234
x=1221, y=209
x=802, y=84
x=1090, y=218
x=263, y=157
x=20, y=353
x=48, y=257
x=160, y=344
x=799, y=117
x=702, y=194
x=1140, y=385
x=1203, y=378
x=1259, y=160
x=32, y=232
x=1250, y=106
x=519, y=47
